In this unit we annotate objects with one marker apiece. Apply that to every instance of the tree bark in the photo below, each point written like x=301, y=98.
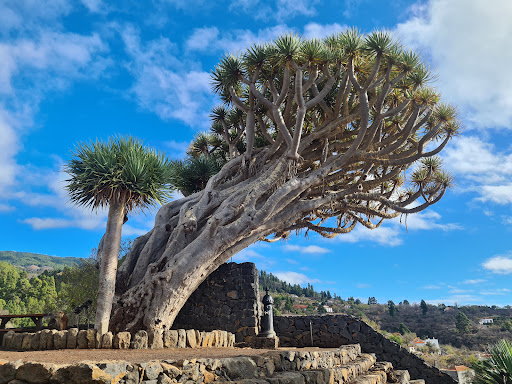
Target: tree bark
x=108, y=265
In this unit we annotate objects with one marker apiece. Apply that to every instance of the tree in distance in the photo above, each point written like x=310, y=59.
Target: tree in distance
x=424, y=307
x=123, y=175
x=462, y=322
x=314, y=136
x=372, y=300
x=403, y=329
x=391, y=308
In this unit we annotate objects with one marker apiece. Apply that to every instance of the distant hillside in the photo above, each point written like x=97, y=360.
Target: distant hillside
x=37, y=263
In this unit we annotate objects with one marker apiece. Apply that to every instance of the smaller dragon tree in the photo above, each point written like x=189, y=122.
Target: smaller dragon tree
x=313, y=135
x=123, y=175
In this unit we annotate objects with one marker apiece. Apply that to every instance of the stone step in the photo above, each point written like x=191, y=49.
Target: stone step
x=399, y=377
x=417, y=381
x=375, y=377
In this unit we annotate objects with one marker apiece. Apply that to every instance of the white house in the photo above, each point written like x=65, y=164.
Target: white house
x=486, y=320
x=328, y=309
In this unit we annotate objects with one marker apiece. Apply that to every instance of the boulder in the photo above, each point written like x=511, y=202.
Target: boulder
x=36, y=340
x=43, y=339
x=7, y=341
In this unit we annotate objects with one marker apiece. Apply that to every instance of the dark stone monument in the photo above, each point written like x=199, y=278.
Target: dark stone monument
x=267, y=322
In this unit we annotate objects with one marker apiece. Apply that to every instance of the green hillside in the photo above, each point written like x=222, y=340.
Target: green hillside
x=34, y=262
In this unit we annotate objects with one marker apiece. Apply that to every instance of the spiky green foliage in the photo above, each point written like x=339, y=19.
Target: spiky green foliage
x=191, y=175
x=120, y=168
x=498, y=368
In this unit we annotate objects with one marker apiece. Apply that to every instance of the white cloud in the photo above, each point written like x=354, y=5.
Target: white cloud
x=483, y=169
x=363, y=285
x=93, y=5
x=233, y=41
x=388, y=236
x=202, y=38
x=278, y=9
x=493, y=292
x=164, y=84
x=309, y=250
x=474, y=281
x=294, y=277
x=319, y=31
x=466, y=40
x=426, y=220
x=6, y=208
x=499, y=264
x=431, y=286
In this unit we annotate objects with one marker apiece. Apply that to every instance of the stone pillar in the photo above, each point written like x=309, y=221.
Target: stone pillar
x=267, y=323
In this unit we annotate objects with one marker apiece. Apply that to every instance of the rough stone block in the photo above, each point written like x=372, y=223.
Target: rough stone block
x=140, y=340
x=35, y=373
x=170, y=370
x=71, y=342
x=60, y=339
x=239, y=368
x=152, y=370
x=81, y=339
x=122, y=340
x=36, y=340
x=191, y=338
x=91, y=339
x=156, y=339
x=26, y=344
x=8, y=371
x=85, y=372
x=51, y=335
x=231, y=340
x=170, y=338
x=7, y=341
x=182, y=338
x=106, y=340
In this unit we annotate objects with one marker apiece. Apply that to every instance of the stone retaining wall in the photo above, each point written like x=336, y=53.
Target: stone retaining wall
x=336, y=330
x=256, y=369
x=227, y=299
x=89, y=339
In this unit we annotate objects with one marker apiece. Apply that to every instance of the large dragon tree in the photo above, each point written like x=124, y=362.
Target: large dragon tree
x=317, y=136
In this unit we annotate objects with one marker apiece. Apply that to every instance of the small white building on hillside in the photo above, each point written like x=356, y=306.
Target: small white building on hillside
x=486, y=321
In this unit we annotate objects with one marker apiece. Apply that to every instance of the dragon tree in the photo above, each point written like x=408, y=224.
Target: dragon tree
x=313, y=135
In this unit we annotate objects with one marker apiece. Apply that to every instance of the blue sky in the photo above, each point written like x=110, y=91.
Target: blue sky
x=78, y=70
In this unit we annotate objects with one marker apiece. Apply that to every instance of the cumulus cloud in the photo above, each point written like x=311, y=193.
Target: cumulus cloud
x=294, y=277
x=165, y=85
x=309, y=250
x=465, y=40
x=319, y=31
x=210, y=39
x=499, y=264
x=389, y=236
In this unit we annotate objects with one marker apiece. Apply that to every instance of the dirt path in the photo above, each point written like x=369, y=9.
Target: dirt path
x=66, y=356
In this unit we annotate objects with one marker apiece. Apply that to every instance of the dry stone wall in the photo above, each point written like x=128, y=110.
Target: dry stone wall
x=90, y=339
x=335, y=330
x=227, y=299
